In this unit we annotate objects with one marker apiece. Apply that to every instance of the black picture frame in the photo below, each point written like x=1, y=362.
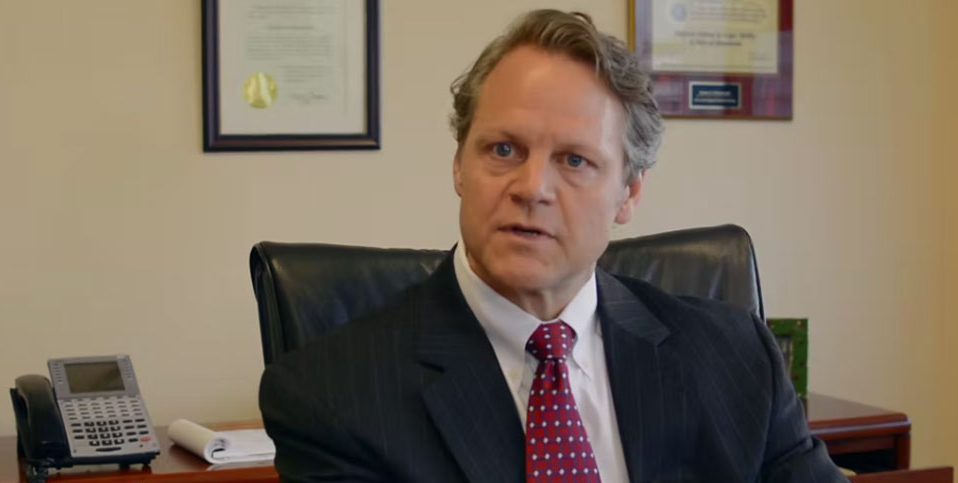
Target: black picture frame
x=214, y=140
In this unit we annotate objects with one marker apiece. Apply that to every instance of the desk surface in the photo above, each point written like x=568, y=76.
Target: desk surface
x=831, y=419
x=172, y=464
x=861, y=437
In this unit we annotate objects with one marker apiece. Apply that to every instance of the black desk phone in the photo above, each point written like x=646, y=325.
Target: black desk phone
x=92, y=414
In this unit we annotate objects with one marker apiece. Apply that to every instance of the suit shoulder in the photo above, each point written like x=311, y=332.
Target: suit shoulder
x=345, y=343
x=694, y=316
x=727, y=353
x=325, y=378
x=349, y=350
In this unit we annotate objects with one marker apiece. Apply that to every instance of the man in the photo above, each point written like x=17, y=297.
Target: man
x=518, y=360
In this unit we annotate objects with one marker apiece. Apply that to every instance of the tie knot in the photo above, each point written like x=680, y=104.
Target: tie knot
x=551, y=341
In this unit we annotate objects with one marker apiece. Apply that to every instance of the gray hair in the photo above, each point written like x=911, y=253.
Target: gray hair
x=574, y=35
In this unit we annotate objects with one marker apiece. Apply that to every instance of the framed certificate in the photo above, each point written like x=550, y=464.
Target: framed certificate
x=716, y=58
x=290, y=75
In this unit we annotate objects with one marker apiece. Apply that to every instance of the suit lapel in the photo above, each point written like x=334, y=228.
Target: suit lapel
x=469, y=401
x=467, y=397
x=644, y=377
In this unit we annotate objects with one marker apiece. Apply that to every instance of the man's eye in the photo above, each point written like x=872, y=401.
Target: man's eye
x=503, y=150
x=574, y=160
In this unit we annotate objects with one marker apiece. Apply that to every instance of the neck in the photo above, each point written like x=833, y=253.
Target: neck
x=544, y=303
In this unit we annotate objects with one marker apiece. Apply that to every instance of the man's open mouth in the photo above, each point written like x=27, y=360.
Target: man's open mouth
x=526, y=231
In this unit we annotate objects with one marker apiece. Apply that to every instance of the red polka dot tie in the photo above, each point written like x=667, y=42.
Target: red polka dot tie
x=557, y=447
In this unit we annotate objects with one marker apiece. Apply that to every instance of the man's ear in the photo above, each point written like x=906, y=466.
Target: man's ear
x=457, y=173
x=633, y=191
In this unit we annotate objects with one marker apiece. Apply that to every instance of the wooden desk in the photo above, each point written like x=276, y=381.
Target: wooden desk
x=931, y=475
x=859, y=437
x=174, y=464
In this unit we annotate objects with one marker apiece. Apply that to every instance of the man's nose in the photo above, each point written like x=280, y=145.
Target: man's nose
x=534, y=182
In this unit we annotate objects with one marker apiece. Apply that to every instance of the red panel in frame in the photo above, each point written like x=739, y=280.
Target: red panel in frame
x=687, y=93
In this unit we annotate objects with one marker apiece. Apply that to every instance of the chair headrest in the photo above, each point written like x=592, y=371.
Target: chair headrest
x=304, y=289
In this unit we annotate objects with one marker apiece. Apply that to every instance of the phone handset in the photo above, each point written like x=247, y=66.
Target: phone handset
x=41, y=435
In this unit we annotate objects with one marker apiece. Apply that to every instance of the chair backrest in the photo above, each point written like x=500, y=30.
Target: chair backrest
x=303, y=290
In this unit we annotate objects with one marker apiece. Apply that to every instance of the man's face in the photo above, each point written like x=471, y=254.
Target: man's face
x=541, y=176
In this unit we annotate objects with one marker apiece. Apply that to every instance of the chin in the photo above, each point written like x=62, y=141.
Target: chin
x=521, y=276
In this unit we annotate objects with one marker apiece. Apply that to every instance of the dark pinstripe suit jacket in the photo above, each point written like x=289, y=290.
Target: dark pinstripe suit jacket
x=416, y=394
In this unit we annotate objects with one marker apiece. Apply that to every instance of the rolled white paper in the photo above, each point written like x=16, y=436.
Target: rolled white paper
x=244, y=445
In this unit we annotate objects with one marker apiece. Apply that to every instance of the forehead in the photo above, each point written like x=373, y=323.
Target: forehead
x=549, y=94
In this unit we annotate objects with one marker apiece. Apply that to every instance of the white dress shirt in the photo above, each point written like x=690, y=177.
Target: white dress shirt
x=508, y=327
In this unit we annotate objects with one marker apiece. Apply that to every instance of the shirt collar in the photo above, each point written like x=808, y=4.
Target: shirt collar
x=509, y=326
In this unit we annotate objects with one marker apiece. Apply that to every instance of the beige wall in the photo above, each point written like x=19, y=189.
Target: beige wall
x=947, y=35
x=119, y=235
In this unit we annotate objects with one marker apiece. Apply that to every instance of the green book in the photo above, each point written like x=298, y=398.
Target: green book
x=792, y=338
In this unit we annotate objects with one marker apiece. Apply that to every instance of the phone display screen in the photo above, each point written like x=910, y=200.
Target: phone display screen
x=94, y=377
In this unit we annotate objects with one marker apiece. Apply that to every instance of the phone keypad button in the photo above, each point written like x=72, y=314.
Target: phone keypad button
x=107, y=424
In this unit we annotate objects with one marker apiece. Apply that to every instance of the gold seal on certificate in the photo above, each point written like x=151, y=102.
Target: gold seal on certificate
x=259, y=90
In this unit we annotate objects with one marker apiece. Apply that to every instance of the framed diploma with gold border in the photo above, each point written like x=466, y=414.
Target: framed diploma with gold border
x=290, y=75
x=716, y=58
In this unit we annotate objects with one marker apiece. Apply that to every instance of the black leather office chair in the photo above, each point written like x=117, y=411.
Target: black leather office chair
x=305, y=289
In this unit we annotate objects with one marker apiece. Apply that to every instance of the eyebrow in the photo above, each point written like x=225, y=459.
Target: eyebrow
x=495, y=133
x=574, y=146
x=506, y=133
